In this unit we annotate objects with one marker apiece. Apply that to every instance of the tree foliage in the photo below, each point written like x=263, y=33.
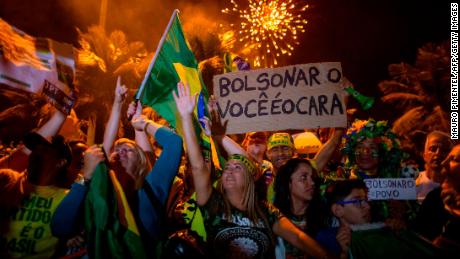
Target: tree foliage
x=422, y=93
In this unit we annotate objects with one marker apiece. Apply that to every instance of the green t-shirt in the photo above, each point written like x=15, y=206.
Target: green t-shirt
x=238, y=237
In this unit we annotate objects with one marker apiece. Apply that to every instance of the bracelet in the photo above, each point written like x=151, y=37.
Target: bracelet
x=145, y=126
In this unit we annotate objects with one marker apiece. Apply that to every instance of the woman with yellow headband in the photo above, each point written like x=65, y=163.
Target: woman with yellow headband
x=237, y=225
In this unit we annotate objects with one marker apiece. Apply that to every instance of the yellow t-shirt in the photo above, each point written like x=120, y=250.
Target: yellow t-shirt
x=29, y=234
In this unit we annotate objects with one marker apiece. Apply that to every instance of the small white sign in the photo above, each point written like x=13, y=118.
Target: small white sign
x=391, y=189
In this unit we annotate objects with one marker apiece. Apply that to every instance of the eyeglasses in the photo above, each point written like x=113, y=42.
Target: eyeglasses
x=123, y=150
x=355, y=202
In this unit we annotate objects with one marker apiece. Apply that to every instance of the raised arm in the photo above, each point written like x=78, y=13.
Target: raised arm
x=67, y=221
x=327, y=150
x=18, y=160
x=111, y=128
x=50, y=128
x=141, y=137
x=162, y=174
x=201, y=176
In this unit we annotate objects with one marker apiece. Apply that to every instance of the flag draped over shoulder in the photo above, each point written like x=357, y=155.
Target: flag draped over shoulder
x=110, y=226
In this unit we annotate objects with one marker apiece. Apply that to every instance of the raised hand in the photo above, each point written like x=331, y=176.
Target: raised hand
x=139, y=121
x=132, y=108
x=134, y=111
x=120, y=91
x=184, y=101
x=92, y=157
x=217, y=128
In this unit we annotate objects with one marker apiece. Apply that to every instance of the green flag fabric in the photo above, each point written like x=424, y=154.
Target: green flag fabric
x=110, y=228
x=384, y=243
x=174, y=61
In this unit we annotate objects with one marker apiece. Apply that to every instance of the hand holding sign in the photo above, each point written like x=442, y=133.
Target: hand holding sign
x=217, y=128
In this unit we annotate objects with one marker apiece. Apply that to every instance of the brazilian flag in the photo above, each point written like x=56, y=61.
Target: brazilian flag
x=174, y=61
x=110, y=227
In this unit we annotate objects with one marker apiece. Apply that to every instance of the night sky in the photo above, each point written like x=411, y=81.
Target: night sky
x=365, y=35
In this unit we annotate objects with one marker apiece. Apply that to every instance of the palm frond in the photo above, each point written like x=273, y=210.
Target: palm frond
x=391, y=86
x=404, y=100
x=19, y=48
x=402, y=72
x=409, y=121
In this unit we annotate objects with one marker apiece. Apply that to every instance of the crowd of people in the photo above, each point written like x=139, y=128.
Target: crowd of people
x=265, y=201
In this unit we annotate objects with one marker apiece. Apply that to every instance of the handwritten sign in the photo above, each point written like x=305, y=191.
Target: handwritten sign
x=292, y=97
x=391, y=189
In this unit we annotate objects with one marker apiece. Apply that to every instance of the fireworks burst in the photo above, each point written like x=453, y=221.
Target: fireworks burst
x=266, y=29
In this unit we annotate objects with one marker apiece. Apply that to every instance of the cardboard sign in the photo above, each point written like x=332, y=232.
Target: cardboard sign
x=391, y=189
x=292, y=97
x=55, y=75
x=57, y=97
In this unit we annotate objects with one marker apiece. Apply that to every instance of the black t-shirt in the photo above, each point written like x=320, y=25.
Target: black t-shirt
x=238, y=237
x=432, y=216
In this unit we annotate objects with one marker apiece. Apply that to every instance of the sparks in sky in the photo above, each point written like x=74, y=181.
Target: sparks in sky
x=266, y=29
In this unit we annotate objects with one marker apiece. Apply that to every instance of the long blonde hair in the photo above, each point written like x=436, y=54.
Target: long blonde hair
x=250, y=200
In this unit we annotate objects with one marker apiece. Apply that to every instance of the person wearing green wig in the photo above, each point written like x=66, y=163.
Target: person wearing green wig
x=373, y=151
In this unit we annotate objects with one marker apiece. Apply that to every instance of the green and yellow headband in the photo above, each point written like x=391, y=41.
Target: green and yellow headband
x=279, y=139
x=250, y=166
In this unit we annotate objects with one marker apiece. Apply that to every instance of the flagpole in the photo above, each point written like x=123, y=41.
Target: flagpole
x=160, y=44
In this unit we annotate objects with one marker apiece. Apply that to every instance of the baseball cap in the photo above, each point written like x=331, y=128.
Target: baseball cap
x=280, y=139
